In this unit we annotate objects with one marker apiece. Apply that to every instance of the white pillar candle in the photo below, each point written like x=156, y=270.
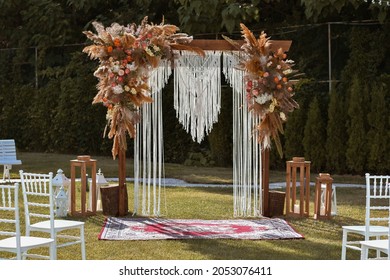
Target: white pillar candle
x=296, y=208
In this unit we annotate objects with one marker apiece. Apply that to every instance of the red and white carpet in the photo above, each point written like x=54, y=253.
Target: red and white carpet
x=157, y=228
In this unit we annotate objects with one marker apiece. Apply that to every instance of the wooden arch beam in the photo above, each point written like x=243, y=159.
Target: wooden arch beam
x=223, y=45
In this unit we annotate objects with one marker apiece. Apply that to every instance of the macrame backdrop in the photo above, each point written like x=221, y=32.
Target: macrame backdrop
x=197, y=92
x=149, y=147
x=247, y=176
x=197, y=103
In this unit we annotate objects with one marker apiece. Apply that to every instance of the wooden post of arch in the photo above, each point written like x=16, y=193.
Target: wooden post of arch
x=122, y=190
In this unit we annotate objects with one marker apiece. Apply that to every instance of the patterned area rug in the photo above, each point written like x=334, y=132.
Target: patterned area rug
x=157, y=228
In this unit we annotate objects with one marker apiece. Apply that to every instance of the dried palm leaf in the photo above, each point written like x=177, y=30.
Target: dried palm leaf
x=181, y=47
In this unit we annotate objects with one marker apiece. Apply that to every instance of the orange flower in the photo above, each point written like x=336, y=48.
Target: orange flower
x=285, y=79
x=109, y=49
x=279, y=86
x=276, y=80
x=117, y=42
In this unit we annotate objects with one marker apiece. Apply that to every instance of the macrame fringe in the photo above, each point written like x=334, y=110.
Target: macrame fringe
x=149, y=147
x=197, y=92
x=247, y=175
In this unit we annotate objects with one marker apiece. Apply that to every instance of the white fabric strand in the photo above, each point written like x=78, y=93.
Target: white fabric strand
x=149, y=147
x=197, y=92
x=247, y=175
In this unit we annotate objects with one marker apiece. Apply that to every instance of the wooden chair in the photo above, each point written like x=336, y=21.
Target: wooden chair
x=17, y=244
x=40, y=212
x=377, y=208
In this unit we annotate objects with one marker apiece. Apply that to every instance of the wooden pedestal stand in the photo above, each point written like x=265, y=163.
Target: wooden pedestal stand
x=292, y=207
x=114, y=197
x=83, y=162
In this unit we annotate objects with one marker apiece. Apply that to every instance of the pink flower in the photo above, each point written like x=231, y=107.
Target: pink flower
x=266, y=74
x=255, y=92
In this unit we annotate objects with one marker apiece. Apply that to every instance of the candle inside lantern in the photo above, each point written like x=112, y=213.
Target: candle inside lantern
x=296, y=208
x=322, y=210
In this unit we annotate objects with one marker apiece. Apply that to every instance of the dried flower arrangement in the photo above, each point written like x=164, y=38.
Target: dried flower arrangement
x=269, y=89
x=126, y=55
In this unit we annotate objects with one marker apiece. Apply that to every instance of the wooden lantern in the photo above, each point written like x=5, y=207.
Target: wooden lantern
x=323, y=207
x=293, y=206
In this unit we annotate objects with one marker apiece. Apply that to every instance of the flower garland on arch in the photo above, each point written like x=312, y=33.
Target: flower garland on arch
x=269, y=89
x=126, y=56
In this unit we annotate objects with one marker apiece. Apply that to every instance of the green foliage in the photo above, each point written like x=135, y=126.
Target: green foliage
x=213, y=16
x=315, y=136
x=379, y=127
x=295, y=125
x=359, y=76
x=336, y=142
x=357, y=142
x=345, y=9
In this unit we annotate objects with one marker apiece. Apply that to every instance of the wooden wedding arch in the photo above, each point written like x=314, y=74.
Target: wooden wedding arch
x=217, y=45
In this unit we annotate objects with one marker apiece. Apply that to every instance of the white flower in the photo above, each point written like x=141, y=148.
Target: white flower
x=133, y=91
x=117, y=89
x=127, y=88
x=156, y=48
x=131, y=66
x=263, y=98
x=115, y=68
x=287, y=71
x=282, y=116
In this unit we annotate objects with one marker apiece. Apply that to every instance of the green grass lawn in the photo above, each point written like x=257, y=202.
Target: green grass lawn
x=322, y=237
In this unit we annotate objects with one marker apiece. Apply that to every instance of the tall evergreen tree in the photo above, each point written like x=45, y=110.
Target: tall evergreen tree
x=295, y=125
x=379, y=128
x=336, y=133
x=315, y=136
x=357, y=141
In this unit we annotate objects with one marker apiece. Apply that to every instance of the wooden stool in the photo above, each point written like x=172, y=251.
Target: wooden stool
x=292, y=207
x=83, y=162
x=323, y=210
